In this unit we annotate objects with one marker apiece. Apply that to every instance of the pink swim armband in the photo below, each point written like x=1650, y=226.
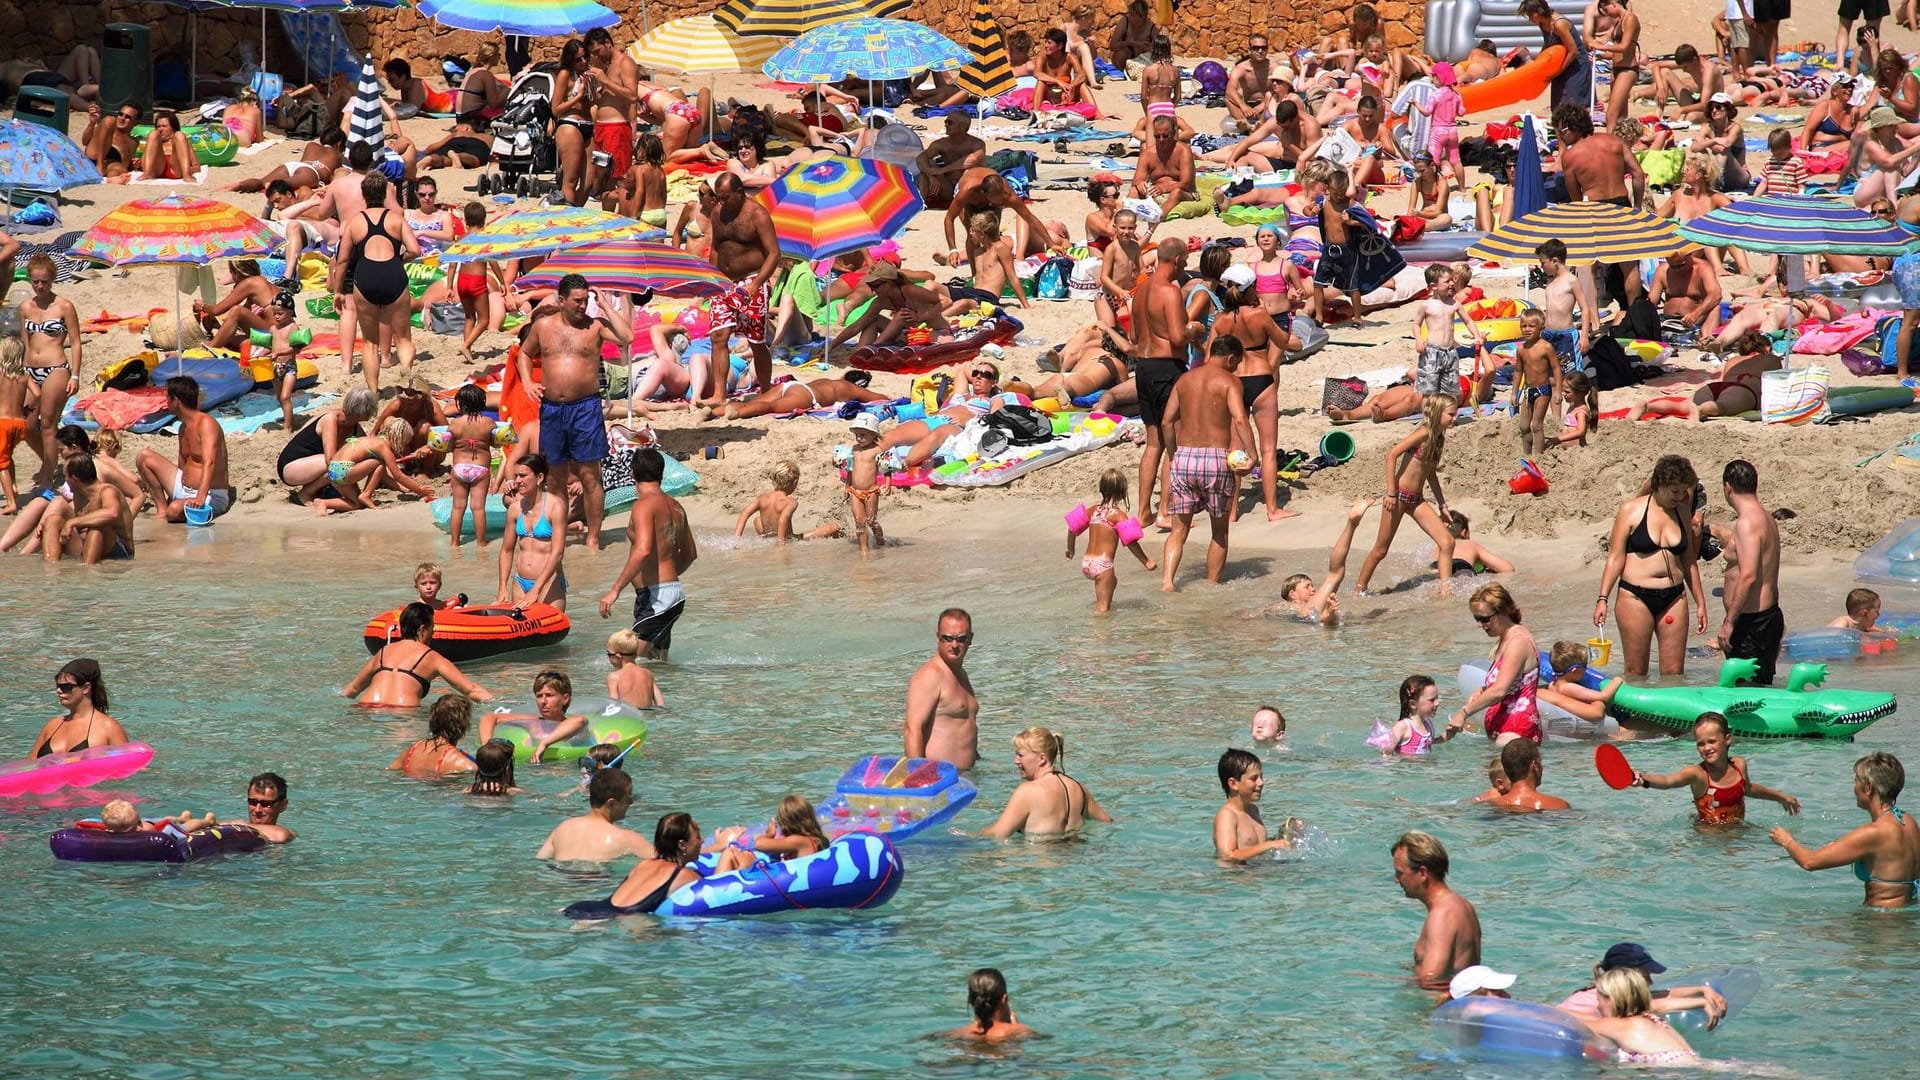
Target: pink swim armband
x=1077, y=519
x=1130, y=531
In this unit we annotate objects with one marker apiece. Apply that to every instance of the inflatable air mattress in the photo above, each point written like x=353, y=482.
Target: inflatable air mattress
x=221, y=380
x=900, y=797
x=1523, y=83
x=859, y=870
x=475, y=633
x=1895, y=559
x=37, y=776
x=1737, y=985
x=617, y=499
x=916, y=360
x=89, y=841
x=1435, y=247
x=1861, y=400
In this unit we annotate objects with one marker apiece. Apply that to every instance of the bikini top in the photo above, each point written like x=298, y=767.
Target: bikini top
x=542, y=529
x=426, y=684
x=54, y=327
x=1269, y=284
x=1640, y=540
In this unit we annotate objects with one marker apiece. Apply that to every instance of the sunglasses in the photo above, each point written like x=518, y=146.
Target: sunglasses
x=957, y=639
x=984, y=374
x=611, y=654
x=1482, y=619
x=66, y=687
x=251, y=801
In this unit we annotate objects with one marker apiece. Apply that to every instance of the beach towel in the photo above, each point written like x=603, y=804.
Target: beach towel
x=1023, y=99
x=249, y=151
x=257, y=410
x=199, y=177
x=117, y=410
x=366, y=123
x=1077, y=433
x=1833, y=338
x=65, y=267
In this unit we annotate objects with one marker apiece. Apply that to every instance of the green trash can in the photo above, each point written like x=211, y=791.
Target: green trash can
x=126, y=67
x=43, y=105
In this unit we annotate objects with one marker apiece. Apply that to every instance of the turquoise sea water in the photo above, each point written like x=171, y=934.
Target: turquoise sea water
x=409, y=932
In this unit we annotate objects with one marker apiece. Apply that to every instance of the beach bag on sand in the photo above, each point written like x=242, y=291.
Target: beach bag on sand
x=1607, y=359
x=446, y=317
x=1794, y=395
x=1051, y=283
x=1345, y=393
x=1024, y=426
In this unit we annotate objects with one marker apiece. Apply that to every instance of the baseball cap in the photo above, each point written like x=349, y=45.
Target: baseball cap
x=1719, y=99
x=1628, y=955
x=1239, y=275
x=870, y=423
x=1476, y=978
x=883, y=271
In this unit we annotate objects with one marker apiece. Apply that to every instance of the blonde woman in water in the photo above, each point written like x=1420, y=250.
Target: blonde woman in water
x=1047, y=800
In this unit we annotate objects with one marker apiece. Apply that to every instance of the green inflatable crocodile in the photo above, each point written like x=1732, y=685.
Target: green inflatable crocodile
x=1801, y=711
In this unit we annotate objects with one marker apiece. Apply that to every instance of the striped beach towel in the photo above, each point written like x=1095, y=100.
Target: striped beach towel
x=365, y=122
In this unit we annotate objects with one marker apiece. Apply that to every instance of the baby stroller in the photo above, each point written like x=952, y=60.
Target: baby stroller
x=521, y=145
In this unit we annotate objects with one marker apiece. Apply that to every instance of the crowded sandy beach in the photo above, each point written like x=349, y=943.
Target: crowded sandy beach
x=569, y=518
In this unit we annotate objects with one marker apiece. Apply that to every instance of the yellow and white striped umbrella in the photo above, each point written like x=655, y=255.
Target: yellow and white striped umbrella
x=1594, y=232
x=697, y=45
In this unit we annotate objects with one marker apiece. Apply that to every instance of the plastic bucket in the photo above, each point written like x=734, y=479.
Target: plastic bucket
x=199, y=515
x=1337, y=445
x=1599, y=650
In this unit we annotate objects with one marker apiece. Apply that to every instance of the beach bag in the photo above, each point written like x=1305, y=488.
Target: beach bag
x=446, y=317
x=1052, y=281
x=1609, y=364
x=1794, y=396
x=303, y=119
x=1662, y=166
x=1024, y=426
x=1313, y=337
x=1408, y=227
x=1345, y=393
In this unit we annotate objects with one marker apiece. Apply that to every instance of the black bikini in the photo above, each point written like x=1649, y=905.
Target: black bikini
x=47, y=747
x=426, y=684
x=1640, y=542
x=379, y=281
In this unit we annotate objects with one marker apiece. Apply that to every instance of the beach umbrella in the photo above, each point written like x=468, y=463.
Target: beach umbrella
x=988, y=73
x=699, y=45
x=1594, y=232
x=836, y=204
x=1799, y=225
x=174, y=229
x=633, y=266
x=1529, y=180
x=870, y=49
x=540, y=232
x=366, y=121
x=193, y=9
x=791, y=18
x=532, y=18
x=37, y=158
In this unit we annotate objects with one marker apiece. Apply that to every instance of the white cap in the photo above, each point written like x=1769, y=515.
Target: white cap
x=1239, y=275
x=865, y=422
x=1476, y=978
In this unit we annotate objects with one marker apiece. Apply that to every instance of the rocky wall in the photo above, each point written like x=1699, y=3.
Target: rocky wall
x=1202, y=28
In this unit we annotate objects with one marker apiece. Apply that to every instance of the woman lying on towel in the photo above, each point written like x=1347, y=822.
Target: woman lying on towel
x=1736, y=391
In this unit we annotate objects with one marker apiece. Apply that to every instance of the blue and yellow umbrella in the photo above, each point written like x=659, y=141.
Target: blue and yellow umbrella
x=1594, y=232
x=540, y=232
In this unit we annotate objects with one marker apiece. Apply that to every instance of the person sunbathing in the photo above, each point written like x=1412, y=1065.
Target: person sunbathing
x=1092, y=360
x=794, y=396
x=1735, y=392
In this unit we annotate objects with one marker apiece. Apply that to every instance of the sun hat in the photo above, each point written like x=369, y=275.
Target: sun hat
x=865, y=422
x=1476, y=978
x=1239, y=275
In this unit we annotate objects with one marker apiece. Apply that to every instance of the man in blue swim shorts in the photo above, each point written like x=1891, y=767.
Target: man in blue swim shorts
x=573, y=424
x=663, y=548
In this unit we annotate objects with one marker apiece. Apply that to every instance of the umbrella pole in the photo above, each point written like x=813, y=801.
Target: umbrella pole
x=263, y=39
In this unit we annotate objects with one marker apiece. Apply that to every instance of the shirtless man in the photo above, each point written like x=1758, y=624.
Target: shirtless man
x=618, y=78
x=1689, y=79
x=1687, y=287
x=200, y=479
x=1450, y=938
x=98, y=527
x=1753, y=626
x=663, y=548
x=318, y=160
x=1165, y=171
x=1206, y=419
x=981, y=188
x=573, y=423
x=109, y=144
x=1278, y=142
x=596, y=836
x=942, y=720
x=1364, y=24
x=747, y=251
x=1239, y=834
x=947, y=158
x=1058, y=79
x=1161, y=334
x=1598, y=167
x=1520, y=760
x=1247, y=86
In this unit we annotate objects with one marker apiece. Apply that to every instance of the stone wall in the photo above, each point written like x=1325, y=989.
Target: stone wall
x=1201, y=27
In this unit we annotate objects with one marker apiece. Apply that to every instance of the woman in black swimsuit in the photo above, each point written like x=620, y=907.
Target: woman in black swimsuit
x=573, y=94
x=86, y=723
x=374, y=248
x=676, y=842
x=1653, y=555
x=1246, y=320
x=400, y=673
x=1048, y=801
x=303, y=461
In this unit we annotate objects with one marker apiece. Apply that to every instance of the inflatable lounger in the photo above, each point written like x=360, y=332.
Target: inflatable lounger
x=221, y=380
x=1498, y=1027
x=617, y=499
x=89, y=841
x=475, y=633
x=95, y=764
x=1894, y=559
x=1454, y=25
x=898, y=797
x=859, y=870
x=1801, y=711
x=920, y=359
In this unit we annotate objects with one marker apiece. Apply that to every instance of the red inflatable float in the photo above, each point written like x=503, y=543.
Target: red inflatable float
x=920, y=359
x=475, y=633
x=1524, y=83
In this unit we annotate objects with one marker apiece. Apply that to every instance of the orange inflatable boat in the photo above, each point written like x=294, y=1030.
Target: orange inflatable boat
x=1524, y=83
x=475, y=633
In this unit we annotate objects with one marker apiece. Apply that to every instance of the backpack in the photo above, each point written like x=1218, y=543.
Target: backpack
x=1023, y=425
x=303, y=119
x=750, y=125
x=1018, y=166
x=1053, y=281
x=1609, y=364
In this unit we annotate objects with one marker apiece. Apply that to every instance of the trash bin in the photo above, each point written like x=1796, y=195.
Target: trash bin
x=43, y=105
x=126, y=67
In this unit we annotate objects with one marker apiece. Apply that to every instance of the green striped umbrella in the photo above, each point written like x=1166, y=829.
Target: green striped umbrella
x=989, y=74
x=1593, y=232
x=791, y=18
x=1799, y=225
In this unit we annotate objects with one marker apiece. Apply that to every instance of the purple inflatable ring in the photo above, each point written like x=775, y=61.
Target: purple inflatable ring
x=88, y=841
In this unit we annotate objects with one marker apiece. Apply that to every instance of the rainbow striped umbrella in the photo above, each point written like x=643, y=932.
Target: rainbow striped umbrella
x=989, y=73
x=532, y=18
x=865, y=49
x=1594, y=232
x=836, y=204
x=1799, y=225
x=698, y=45
x=631, y=266
x=174, y=229
x=540, y=232
x=791, y=18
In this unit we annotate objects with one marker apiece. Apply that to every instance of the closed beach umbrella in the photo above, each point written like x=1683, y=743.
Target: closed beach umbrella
x=540, y=232
x=633, y=266
x=865, y=49
x=1593, y=232
x=532, y=18
x=699, y=45
x=38, y=158
x=988, y=73
x=1529, y=180
x=837, y=204
x=791, y=18
x=366, y=121
x=1799, y=225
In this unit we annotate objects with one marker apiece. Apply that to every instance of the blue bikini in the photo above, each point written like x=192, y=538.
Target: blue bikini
x=542, y=530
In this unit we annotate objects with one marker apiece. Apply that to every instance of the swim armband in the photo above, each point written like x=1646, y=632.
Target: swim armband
x=504, y=435
x=437, y=439
x=1130, y=531
x=1077, y=519
x=263, y=339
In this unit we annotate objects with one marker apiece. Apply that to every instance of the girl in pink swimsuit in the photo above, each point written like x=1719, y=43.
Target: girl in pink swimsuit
x=1413, y=734
x=1443, y=108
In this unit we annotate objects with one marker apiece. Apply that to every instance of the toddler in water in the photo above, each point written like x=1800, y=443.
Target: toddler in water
x=1863, y=613
x=427, y=580
x=863, y=481
x=120, y=816
x=1239, y=834
x=471, y=434
x=1497, y=777
x=793, y=833
x=1103, y=526
x=1269, y=726
x=1720, y=783
x=771, y=515
x=1569, y=660
x=628, y=681
x=1413, y=734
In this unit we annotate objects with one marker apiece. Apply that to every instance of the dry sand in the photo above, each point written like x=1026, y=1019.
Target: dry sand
x=1840, y=508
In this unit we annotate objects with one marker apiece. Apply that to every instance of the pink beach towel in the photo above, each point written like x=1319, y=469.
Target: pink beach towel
x=1833, y=338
